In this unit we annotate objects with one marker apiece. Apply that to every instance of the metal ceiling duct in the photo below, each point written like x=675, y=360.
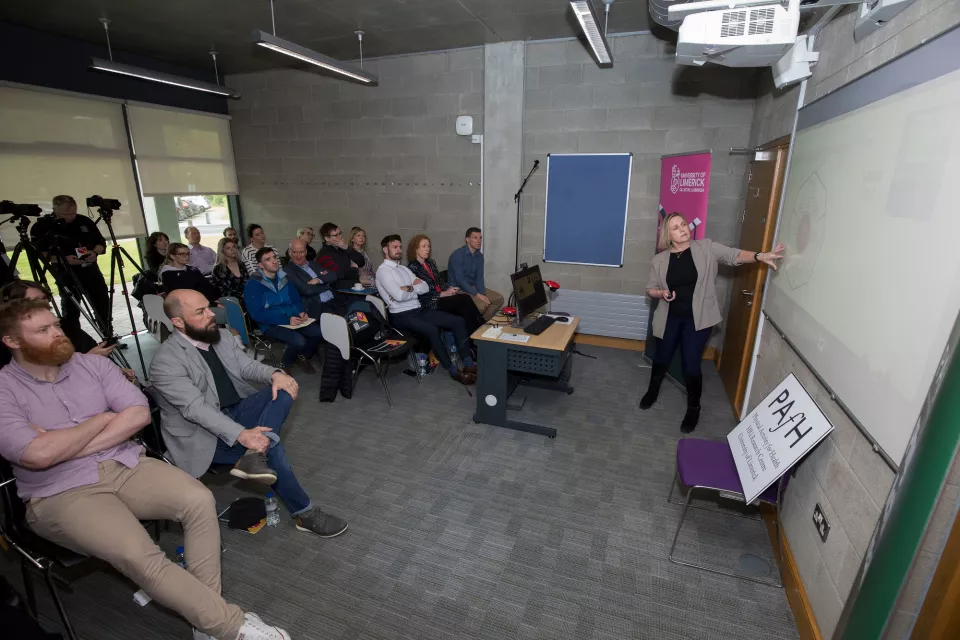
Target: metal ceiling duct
x=658, y=11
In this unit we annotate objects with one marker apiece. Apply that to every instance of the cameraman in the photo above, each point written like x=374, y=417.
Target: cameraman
x=79, y=242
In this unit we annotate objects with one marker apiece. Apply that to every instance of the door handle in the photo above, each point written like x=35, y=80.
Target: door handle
x=747, y=293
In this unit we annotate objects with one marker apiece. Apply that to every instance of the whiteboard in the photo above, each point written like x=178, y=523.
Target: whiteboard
x=870, y=288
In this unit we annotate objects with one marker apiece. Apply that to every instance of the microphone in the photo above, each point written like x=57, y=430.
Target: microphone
x=536, y=163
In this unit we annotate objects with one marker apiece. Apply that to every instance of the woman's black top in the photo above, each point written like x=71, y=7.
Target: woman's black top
x=230, y=286
x=154, y=260
x=682, y=280
x=189, y=278
x=430, y=274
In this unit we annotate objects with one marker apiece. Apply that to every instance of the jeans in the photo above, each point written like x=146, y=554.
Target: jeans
x=261, y=410
x=681, y=329
x=428, y=323
x=300, y=342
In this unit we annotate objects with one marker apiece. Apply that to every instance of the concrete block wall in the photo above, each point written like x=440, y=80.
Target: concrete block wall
x=646, y=105
x=848, y=480
x=311, y=149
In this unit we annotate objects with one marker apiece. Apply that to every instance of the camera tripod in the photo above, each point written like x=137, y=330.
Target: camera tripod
x=70, y=288
x=116, y=265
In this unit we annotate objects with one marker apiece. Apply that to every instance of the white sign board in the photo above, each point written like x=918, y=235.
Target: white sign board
x=778, y=432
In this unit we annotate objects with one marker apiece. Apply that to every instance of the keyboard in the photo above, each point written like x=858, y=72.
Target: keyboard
x=539, y=325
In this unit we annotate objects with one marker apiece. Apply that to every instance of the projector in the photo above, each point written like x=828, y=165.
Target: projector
x=755, y=36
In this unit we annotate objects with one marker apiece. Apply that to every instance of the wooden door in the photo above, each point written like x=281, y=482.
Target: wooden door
x=764, y=185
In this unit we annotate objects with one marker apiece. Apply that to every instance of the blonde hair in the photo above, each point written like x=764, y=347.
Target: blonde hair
x=222, y=259
x=172, y=249
x=303, y=230
x=664, y=242
x=353, y=234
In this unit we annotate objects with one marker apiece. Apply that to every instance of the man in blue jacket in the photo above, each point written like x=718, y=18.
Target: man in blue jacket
x=465, y=271
x=272, y=301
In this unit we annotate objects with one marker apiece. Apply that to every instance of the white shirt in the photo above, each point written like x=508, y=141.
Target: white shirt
x=393, y=275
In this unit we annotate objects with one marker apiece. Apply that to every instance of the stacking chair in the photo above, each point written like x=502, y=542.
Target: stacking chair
x=379, y=354
x=238, y=320
x=153, y=306
x=707, y=468
x=412, y=363
x=36, y=554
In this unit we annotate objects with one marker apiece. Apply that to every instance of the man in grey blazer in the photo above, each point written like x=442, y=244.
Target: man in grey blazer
x=211, y=414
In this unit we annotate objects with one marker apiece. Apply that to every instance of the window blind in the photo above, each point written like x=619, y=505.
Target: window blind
x=52, y=144
x=180, y=153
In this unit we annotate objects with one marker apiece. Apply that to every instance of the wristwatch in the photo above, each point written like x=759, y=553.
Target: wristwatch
x=756, y=256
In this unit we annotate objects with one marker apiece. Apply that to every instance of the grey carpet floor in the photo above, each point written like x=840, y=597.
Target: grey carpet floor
x=468, y=531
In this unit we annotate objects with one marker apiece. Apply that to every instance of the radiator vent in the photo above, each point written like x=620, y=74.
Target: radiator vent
x=616, y=315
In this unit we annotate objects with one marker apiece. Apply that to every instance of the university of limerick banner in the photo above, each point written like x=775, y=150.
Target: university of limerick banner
x=685, y=188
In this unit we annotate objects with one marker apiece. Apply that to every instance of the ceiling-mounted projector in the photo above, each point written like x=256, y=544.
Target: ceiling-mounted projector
x=744, y=36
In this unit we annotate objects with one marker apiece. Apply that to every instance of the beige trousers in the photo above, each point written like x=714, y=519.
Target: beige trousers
x=102, y=520
x=489, y=310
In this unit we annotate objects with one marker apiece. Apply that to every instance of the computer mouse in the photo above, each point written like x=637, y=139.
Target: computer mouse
x=562, y=319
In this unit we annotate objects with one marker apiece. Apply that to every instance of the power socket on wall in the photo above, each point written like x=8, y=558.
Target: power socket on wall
x=820, y=522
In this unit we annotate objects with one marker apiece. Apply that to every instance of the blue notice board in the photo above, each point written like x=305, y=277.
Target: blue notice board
x=586, y=208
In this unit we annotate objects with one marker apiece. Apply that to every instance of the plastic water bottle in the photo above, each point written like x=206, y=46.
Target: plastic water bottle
x=273, y=510
x=181, y=559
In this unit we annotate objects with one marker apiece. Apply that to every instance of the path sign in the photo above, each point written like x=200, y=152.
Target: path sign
x=783, y=428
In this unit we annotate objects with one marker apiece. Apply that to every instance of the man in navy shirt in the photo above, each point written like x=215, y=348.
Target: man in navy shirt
x=465, y=271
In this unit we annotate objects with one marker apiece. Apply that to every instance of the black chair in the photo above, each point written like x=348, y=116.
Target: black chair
x=36, y=554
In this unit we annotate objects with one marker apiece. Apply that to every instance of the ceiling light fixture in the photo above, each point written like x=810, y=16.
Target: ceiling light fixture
x=287, y=48
x=99, y=64
x=590, y=24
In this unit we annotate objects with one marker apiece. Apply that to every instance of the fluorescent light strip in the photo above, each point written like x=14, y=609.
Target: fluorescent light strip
x=311, y=57
x=590, y=25
x=164, y=78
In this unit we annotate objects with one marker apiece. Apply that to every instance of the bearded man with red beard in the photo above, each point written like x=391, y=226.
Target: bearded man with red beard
x=66, y=420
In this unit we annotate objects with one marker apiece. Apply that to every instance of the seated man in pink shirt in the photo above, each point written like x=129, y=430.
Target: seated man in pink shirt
x=65, y=425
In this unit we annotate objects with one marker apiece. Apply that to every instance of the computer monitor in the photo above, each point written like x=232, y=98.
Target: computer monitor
x=529, y=292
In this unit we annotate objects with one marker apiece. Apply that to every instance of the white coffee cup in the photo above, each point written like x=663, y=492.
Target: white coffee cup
x=358, y=287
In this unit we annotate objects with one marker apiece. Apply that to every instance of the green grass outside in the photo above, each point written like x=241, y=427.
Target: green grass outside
x=23, y=266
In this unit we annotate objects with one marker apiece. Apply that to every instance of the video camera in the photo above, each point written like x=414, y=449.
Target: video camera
x=8, y=207
x=103, y=203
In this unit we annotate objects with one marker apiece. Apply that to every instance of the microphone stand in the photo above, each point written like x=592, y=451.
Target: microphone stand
x=516, y=198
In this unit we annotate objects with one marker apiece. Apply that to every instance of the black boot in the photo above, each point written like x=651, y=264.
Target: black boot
x=694, y=389
x=653, y=391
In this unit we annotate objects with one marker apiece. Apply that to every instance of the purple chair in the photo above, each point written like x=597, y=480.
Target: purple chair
x=708, y=466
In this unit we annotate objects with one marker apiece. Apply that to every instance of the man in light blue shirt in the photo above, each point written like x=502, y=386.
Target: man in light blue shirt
x=201, y=257
x=465, y=271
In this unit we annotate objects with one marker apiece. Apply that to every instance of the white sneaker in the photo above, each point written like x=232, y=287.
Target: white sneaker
x=256, y=629
x=199, y=635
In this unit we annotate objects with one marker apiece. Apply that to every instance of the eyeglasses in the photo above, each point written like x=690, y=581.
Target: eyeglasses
x=334, y=235
x=182, y=253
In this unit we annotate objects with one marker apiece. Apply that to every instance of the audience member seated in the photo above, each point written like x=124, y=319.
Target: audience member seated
x=358, y=242
x=156, y=253
x=202, y=258
x=177, y=274
x=231, y=233
x=258, y=240
x=229, y=276
x=305, y=234
x=311, y=282
x=400, y=289
x=229, y=422
x=30, y=290
x=272, y=301
x=339, y=259
x=66, y=421
x=465, y=271
x=441, y=295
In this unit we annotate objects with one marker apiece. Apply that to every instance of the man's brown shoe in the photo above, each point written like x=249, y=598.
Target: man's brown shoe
x=464, y=378
x=472, y=369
